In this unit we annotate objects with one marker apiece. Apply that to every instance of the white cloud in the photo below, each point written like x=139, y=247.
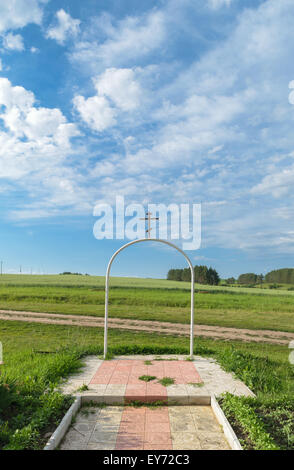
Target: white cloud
x=278, y=183
x=121, y=87
x=66, y=27
x=96, y=112
x=117, y=90
x=33, y=138
x=131, y=39
x=216, y=4
x=13, y=42
x=16, y=14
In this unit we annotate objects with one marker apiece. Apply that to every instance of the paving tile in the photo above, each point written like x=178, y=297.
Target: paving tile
x=163, y=418
x=115, y=389
x=112, y=409
x=211, y=441
x=75, y=439
x=185, y=440
x=103, y=437
x=155, y=389
x=100, y=379
x=158, y=447
x=103, y=426
x=110, y=419
x=157, y=427
x=88, y=415
x=157, y=438
x=176, y=390
x=129, y=442
x=133, y=418
x=127, y=427
x=128, y=410
x=206, y=424
x=101, y=446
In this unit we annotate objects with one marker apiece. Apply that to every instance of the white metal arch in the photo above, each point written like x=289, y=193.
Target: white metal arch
x=107, y=287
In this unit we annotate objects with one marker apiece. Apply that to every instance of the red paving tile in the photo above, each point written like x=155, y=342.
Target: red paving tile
x=154, y=447
x=157, y=438
x=137, y=411
x=129, y=442
x=157, y=427
x=127, y=372
x=137, y=427
x=144, y=428
x=150, y=420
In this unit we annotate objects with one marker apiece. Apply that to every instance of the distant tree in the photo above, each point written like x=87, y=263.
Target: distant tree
x=186, y=275
x=212, y=277
x=202, y=274
x=231, y=280
x=170, y=275
x=260, y=279
x=248, y=278
x=285, y=276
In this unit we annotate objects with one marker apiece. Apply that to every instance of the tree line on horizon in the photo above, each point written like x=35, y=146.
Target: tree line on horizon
x=202, y=274
x=284, y=276
x=209, y=276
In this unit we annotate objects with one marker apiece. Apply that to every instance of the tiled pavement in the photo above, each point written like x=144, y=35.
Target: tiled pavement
x=121, y=377
x=166, y=427
x=117, y=381
x=157, y=428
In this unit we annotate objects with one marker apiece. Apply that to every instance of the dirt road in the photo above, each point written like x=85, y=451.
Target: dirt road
x=176, y=329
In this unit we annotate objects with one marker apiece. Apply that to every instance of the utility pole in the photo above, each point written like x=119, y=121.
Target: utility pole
x=1, y=267
x=20, y=269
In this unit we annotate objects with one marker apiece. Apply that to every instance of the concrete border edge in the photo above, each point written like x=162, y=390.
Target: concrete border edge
x=63, y=426
x=227, y=428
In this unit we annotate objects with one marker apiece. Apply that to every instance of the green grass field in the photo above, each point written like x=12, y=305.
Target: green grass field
x=37, y=357
x=150, y=299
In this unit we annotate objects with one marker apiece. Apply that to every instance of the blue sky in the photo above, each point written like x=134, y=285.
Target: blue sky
x=164, y=101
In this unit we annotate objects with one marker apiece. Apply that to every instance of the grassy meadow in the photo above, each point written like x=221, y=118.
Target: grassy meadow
x=38, y=357
x=150, y=299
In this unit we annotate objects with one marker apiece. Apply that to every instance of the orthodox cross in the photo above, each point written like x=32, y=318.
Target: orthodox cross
x=149, y=218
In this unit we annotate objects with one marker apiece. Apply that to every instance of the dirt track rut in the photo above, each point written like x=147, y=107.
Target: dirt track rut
x=177, y=329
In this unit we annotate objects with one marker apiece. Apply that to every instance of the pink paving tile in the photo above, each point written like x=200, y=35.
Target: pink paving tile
x=133, y=380
x=139, y=371
x=157, y=427
x=155, y=389
x=136, y=389
x=126, y=367
x=133, y=419
x=118, y=380
x=129, y=427
x=163, y=410
x=154, y=447
x=163, y=419
x=120, y=375
x=106, y=367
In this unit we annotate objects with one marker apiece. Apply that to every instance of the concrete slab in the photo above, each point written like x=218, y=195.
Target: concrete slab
x=118, y=380
x=156, y=428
